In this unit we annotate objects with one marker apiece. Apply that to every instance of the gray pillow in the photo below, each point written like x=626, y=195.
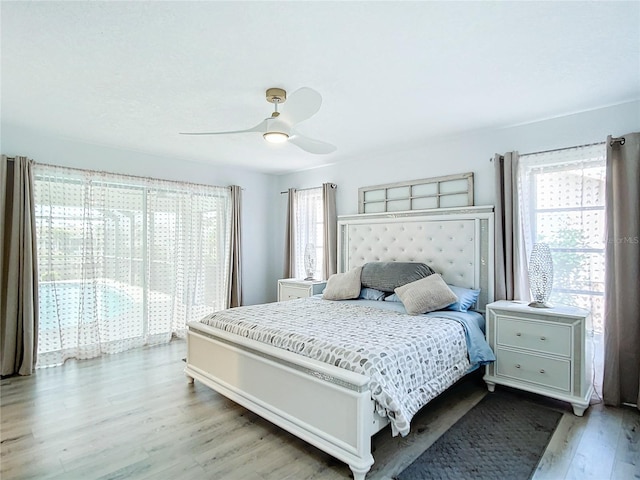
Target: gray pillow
x=387, y=276
x=426, y=295
x=343, y=286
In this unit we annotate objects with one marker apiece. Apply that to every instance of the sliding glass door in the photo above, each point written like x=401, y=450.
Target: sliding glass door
x=125, y=261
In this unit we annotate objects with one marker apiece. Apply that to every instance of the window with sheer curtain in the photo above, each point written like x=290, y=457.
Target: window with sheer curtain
x=562, y=195
x=125, y=261
x=309, y=235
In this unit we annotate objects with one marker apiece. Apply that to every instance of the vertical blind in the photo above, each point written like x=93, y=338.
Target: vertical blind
x=562, y=201
x=125, y=261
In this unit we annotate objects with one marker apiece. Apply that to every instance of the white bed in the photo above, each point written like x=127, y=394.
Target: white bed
x=327, y=406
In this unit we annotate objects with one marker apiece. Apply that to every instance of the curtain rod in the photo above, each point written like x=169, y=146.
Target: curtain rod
x=564, y=148
x=333, y=185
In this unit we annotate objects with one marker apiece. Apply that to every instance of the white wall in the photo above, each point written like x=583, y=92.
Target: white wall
x=258, y=278
x=470, y=152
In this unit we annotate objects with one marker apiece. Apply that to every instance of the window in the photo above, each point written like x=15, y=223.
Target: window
x=309, y=230
x=125, y=261
x=562, y=195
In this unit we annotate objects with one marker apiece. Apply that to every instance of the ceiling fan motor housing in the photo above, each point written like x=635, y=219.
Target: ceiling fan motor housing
x=276, y=95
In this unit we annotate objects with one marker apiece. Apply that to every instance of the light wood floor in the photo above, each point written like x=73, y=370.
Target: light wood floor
x=133, y=416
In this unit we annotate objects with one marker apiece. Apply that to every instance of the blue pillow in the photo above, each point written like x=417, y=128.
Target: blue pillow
x=393, y=298
x=371, y=294
x=466, y=298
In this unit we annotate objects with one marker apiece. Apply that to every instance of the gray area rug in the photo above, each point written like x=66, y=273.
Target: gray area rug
x=502, y=437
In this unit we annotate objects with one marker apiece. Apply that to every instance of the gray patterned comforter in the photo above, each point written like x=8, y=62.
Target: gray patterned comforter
x=410, y=359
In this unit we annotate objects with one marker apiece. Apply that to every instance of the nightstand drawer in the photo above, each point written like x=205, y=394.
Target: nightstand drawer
x=533, y=335
x=291, y=292
x=548, y=372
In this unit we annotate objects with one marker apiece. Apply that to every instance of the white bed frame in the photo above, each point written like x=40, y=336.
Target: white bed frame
x=324, y=405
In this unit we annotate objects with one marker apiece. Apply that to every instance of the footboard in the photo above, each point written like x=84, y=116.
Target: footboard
x=326, y=406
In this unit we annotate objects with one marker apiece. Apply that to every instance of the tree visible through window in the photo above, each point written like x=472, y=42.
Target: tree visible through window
x=562, y=202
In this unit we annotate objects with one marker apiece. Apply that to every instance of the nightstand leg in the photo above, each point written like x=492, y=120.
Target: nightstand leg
x=578, y=410
x=491, y=386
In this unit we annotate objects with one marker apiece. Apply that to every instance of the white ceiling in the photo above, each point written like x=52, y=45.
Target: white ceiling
x=392, y=74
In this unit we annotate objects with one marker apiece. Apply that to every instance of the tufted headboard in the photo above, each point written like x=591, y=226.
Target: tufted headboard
x=455, y=242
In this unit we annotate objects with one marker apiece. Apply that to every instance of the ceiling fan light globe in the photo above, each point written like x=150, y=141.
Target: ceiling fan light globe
x=275, y=137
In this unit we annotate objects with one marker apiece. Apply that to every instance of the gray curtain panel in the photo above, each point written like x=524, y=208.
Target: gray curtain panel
x=290, y=240
x=235, y=270
x=621, y=383
x=330, y=265
x=18, y=268
x=510, y=258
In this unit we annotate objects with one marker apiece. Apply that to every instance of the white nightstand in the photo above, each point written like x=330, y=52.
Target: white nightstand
x=290, y=288
x=541, y=350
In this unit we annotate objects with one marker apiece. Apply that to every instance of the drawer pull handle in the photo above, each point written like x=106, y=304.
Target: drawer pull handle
x=543, y=338
x=542, y=370
x=517, y=365
x=518, y=334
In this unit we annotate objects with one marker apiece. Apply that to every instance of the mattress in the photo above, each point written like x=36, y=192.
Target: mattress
x=409, y=359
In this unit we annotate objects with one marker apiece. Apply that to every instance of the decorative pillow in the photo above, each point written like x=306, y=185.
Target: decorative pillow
x=426, y=295
x=343, y=286
x=371, y=294
x=387, y=276
x=466, y=298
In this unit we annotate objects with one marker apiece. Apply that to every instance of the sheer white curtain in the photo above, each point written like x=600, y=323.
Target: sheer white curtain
x=562, y=198
x=125, y=261
x=309, y=230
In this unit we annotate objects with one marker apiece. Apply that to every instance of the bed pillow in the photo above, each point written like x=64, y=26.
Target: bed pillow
x=387, y=276
x=343, y=286
x=466, y=298
x=426, y=295
x=392, y=298
x=371, y=294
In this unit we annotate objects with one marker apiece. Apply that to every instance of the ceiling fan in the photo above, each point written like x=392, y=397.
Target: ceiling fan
x=279, y=127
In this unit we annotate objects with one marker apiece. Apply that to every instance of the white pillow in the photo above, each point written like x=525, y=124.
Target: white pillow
x=343, y=286
x=426, y=295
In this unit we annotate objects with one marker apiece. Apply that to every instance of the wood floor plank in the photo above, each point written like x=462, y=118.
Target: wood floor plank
x=596, y=451
x=562, y=447
x=627, y=460
x=133, y=415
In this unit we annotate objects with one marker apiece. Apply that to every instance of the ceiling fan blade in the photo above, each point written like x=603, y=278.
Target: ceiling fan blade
x=311, y=145
x=261, y=127
x=301, y=104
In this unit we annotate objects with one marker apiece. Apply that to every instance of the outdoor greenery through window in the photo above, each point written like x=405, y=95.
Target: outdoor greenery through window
x=562, y=202
x=125, y=261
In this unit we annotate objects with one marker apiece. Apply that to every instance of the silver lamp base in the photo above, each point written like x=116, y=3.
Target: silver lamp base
x=540, y=305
